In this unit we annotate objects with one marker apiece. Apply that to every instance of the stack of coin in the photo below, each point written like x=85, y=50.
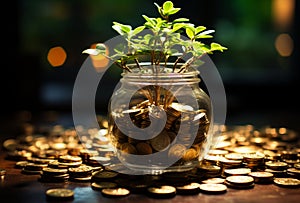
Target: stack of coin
x=209, y=170
x=293, y=172
x=32, y=168
x=254, y=161
x=225, y=163
x=81, y=173
x=70, y=161
x=262, y=177
x=54, y=175
x=236, y=171
x=240, y=181
x=278, y=168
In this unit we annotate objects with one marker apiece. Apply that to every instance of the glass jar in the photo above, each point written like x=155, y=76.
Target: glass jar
x=160, y=120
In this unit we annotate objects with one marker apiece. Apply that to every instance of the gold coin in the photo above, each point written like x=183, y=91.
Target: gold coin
x=115, y=192
x=60, y=193
x=128, y=148
x=240, y=179
x=293, y=171
x=143, y=148
x=297, y=166
x=217, y=152
x=176, y=151
x=161, y=141
x=237, y=171
x=190, y=154
x=287, y=182
x=69, y=158
x=103, y=185
x=54, y=171
x=276, y=164
x=189, y=189
x=234, y=156
x=164, y=191
x=214, y=180
x=213, y=188
x=261, y=174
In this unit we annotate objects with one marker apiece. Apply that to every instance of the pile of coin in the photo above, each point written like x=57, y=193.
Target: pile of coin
x=237, y=161
x=182, y=122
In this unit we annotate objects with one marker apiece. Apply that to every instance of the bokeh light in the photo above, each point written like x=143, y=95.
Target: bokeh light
x=57, y=56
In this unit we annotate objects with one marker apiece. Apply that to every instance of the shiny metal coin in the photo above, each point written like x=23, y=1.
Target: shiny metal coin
x=213, y=188
x=60, y=193
x=115, y=192
x=164, y=191
x=287, y=182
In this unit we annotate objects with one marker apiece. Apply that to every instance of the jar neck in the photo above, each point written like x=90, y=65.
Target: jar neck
x=159, y=75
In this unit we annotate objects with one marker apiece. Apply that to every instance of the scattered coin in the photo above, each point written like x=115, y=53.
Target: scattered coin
x=2, y=172
x=287, y=182
x=240, y=179
x=115, y=192
x=60, y=193
x=214, y=180
x=237, y=171
x=213, y=188
x=103, y=185
x=104, y=175
x=189, y=189
x=164, y=191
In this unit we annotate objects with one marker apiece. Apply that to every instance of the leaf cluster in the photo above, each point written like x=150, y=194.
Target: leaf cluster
x=161, y=40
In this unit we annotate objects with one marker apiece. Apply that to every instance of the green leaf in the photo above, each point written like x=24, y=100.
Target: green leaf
x=217, y=47
x=138, y=30
x=173, y=11
x=121, y=28
x=177, y=26
x=199, y=29
x=167, y=6
x=190, y=32
x=179, y=20
x=150, y=22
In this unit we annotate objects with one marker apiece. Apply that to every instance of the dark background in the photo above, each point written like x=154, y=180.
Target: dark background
x=260, y=84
